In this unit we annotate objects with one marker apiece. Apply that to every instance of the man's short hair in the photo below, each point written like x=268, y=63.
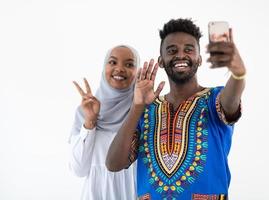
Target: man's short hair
x=180, y=25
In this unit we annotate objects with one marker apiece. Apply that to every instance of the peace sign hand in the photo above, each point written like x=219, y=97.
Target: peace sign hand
x=144, y=89
x=90, y=105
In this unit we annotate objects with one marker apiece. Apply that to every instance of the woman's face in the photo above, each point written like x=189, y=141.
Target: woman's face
x=120, y=68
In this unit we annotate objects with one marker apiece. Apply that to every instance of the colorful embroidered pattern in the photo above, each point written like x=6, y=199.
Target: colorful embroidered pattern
x=221, y=113
x=209, y=197
x=145, y=197
x=176, y=156
x=133, y=149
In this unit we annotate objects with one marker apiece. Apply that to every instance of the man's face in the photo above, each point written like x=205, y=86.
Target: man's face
x=180, y=57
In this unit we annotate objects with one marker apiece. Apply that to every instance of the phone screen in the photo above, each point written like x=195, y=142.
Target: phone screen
x=218, y=31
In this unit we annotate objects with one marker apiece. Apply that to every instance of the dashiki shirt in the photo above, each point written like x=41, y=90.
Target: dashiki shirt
x=182, y=154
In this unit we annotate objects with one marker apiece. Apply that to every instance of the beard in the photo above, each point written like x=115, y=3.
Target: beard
x=181, y=77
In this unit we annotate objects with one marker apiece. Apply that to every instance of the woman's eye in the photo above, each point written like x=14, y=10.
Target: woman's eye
x=112, y=62
x=129, y=64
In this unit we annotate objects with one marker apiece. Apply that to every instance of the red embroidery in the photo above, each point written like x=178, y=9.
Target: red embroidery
x=209, y=197
x=145, y=197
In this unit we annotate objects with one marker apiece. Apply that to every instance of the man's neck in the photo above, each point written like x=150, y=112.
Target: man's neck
x=181, y=92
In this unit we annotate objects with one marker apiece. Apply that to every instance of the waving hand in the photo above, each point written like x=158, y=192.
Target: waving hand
x=144, y=89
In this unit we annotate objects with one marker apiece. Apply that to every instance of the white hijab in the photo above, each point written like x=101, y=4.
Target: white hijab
x=115, y=103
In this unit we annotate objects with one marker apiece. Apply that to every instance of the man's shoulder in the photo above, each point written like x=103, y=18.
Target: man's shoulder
x=212, y=91
x=217, y=88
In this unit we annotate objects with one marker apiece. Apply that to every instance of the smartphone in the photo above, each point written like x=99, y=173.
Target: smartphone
x=218, y=31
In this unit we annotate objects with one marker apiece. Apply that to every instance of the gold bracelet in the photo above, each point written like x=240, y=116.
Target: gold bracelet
x=238, y=77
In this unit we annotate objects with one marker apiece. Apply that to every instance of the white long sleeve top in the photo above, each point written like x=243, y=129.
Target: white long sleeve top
x=88, y=153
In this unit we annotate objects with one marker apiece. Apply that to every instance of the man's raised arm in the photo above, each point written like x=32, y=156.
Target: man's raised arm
x=231, y=94
x=119, y=150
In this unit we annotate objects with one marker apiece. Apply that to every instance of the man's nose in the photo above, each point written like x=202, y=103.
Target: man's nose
x=180, y=54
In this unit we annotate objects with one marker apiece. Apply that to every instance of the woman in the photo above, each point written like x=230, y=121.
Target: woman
x=97, y=121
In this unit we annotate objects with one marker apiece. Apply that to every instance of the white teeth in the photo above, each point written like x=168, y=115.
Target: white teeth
x=181, y=65
x=118, y=78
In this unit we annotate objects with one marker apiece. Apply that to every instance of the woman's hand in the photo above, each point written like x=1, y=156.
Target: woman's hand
x=90, y=105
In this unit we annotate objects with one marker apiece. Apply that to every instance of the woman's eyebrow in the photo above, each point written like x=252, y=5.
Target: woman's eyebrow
x=113, y=57
x=130, y=59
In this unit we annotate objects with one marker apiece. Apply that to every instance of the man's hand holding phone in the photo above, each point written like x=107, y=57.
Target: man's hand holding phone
x=220, y=47
x=223, y=52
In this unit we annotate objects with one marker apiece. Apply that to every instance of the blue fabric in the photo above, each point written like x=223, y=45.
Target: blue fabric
x=203, y=166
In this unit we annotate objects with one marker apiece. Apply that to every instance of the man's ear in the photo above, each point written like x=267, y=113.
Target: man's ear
x=160, y=62
x=200, y=60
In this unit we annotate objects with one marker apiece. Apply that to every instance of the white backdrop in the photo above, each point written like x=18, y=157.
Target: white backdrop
x=44, y=45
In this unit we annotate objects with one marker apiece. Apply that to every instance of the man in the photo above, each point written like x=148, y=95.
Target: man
x=182, y=139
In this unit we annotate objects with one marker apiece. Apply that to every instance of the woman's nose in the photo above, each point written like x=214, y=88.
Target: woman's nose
x=119, y=68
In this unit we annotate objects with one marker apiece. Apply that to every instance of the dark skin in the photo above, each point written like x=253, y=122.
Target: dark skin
x=230, y=58
x=144, y=93
x=181, y=45
x=119, y=72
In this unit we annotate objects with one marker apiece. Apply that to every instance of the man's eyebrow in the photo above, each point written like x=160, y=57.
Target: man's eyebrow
x=189, y=45
x=170, y=46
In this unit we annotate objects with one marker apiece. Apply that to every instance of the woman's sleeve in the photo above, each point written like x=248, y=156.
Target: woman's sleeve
x=81, y=146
